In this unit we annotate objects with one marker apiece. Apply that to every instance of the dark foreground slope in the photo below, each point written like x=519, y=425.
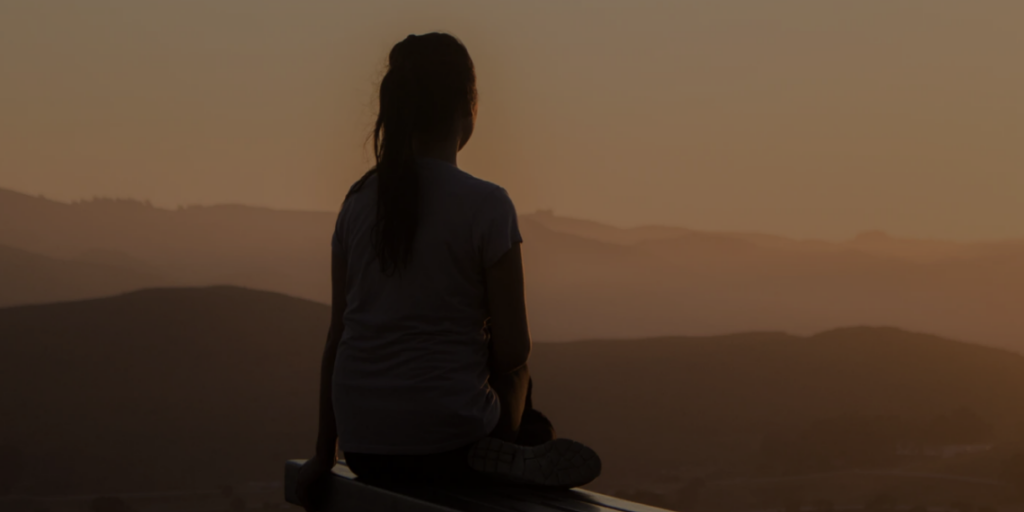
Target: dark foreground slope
x=130, y=393
x=699, y=405
x=161, y=389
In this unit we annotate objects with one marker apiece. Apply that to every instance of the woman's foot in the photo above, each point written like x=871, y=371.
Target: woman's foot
x=558, y=463
x=535, y=429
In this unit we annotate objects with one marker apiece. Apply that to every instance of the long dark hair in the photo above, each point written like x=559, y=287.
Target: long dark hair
x=429, y=86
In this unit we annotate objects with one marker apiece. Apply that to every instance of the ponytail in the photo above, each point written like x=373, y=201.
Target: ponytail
x=429, y=84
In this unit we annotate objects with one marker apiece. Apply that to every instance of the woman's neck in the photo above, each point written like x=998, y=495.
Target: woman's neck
x=444, y=156
x=443, y=150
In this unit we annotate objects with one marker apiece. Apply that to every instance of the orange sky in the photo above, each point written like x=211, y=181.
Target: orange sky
x=816, y=119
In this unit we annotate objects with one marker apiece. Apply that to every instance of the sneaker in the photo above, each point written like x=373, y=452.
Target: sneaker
x=558, y=463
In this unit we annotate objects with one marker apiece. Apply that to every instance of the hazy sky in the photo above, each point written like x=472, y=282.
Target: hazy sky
x=810, y=118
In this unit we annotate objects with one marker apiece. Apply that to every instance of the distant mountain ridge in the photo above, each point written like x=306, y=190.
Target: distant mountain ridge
x=584, y=279
x=876, y=243
x=283, y=251
x=706, y=283
x=183, y=374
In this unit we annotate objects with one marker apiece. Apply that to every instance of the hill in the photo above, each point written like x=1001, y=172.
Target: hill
x=702, y=283
x=584, y=279
x=702, y=404
x=128, y=392
x=875, y=243
x=29, y=278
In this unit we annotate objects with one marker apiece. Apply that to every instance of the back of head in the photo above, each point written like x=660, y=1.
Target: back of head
x=429, y=87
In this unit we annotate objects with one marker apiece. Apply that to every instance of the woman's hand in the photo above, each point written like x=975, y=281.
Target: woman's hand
x=311, y=485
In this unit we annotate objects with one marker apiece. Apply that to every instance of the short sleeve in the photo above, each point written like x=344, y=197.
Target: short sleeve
x=338, y=243
x=495, y=227
x=339, y=240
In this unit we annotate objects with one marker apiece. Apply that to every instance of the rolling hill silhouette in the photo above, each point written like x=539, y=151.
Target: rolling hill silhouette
x=701, y=403
x=584, y=279
x=29, y=278
x=709, y=283
x=129, y=392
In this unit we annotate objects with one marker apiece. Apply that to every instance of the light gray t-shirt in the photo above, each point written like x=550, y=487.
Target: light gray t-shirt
x=411, y=372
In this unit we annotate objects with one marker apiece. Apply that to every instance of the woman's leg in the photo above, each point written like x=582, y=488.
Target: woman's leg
x=513, y=390
x=522, y=447
x=519, y=422
x=535, y=428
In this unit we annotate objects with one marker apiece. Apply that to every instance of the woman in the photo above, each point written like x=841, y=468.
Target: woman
x=424, y=374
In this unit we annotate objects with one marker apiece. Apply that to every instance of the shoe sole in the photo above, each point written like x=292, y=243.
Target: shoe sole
x=558, y=463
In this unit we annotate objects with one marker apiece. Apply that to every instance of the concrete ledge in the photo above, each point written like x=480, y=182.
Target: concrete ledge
x=348, y=493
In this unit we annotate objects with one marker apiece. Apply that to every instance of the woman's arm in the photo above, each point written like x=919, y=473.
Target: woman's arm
x=506, y=299
x=327, y=435
x=510, y=341
x=309, y=488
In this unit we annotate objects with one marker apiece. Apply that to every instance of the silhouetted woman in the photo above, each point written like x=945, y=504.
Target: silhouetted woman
x=424, y=375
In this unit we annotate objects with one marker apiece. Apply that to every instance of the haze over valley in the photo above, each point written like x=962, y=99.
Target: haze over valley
x=584, y=279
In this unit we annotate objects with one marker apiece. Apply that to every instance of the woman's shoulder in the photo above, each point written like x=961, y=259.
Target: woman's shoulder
x=484, y=197
x=460, y=192
x=461, y=179
x=481, y=186
x=368, y=180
